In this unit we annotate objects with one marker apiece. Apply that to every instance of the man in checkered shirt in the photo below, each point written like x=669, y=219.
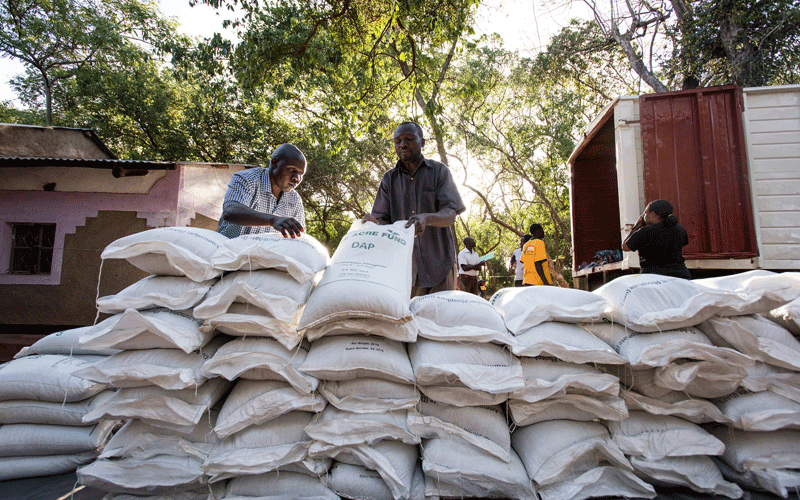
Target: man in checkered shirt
x=263, y=200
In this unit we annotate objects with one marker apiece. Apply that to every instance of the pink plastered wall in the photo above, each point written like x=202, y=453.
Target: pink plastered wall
x=69, y=210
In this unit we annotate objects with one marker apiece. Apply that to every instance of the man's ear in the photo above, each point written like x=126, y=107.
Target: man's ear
x=422, y=142
x=273, y=167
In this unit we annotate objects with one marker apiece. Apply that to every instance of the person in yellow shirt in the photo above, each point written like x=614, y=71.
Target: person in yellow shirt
x=538, y=265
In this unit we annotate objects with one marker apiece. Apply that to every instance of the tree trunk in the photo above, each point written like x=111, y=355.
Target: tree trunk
x=636, y=62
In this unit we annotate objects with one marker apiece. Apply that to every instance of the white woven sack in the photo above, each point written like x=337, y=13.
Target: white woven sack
x=369, y=395
x=177, y=410
x=280, y=443
x=151, y=329
x=167, y=368
x=20, y=440
x=393, y=460
x=474, y=472
x=676, y=404
x=368, y=276
x=273, y=291
x=765, y=377
x=37, y=466
x=247, y=320
x=696, y=472
x=658, y=436
x=64, y=342
x=550, y=450
x=301, y=257
x=577, y=407
x=605, y=481
x=688, y=359
x=788, y=316
x=347, y=357
x=483, y=427
x=546, y=377
x=356, y=482
x=205, y=492
x=171, y=292
x=525, y=307
x=760, y=411
x=170, y=251
x=253, y=402
x=701, y=379
x=401, y=332
x=643, y=381
x=762, y=290
x=47, y=377
x=278, y=485
x=261, y=359
x=459, y=316
x=484, y=367
x=340, y=428
x=653, y=303
x=137, y=439
x=26, y=411
x=457, y=394
x=769, y=457
x=162, y=474
x=757, y=337
x=565, y=341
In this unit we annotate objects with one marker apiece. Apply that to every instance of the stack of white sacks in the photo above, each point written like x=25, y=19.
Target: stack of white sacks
x=267, y=378
x=42, y=403
x=700, y=352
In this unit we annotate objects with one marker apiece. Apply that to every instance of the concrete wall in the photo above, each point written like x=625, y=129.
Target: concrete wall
x=72, y=301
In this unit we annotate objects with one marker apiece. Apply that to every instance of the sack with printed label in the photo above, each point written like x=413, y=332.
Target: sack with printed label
x=565, y=341
x=369, y=276
x=349, y=357
x=525, y=307
x=459, y=316
x=655, y=303
x=301, y=257
x=762, y=290
x=170, y=251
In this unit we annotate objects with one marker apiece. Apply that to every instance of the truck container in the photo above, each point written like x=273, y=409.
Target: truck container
x=727, y=158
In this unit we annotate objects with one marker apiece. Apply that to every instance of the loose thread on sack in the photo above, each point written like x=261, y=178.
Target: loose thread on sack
x=97, y=295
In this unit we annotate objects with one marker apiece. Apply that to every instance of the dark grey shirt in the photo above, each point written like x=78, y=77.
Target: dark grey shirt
x=428, y=190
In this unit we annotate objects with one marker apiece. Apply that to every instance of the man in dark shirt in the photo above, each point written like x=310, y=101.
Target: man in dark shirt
x=422, y=192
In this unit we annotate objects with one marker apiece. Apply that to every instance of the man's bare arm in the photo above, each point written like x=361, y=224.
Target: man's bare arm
x=242, y=215
x=443, y=218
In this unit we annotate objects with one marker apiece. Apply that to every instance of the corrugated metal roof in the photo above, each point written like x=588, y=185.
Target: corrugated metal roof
x=27, y=161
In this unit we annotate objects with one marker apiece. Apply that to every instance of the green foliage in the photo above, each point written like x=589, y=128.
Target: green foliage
x=56, y=39
x=746, y=42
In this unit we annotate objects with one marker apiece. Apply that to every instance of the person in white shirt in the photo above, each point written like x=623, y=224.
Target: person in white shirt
x=469, y=264
x=516, y=265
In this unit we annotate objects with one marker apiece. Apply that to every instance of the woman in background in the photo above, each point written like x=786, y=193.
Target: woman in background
x=659, y=239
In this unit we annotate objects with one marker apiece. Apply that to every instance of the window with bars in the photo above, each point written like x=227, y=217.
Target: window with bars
x=32, y=248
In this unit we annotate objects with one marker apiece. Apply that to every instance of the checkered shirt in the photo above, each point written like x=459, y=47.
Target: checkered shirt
x=252, y=188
